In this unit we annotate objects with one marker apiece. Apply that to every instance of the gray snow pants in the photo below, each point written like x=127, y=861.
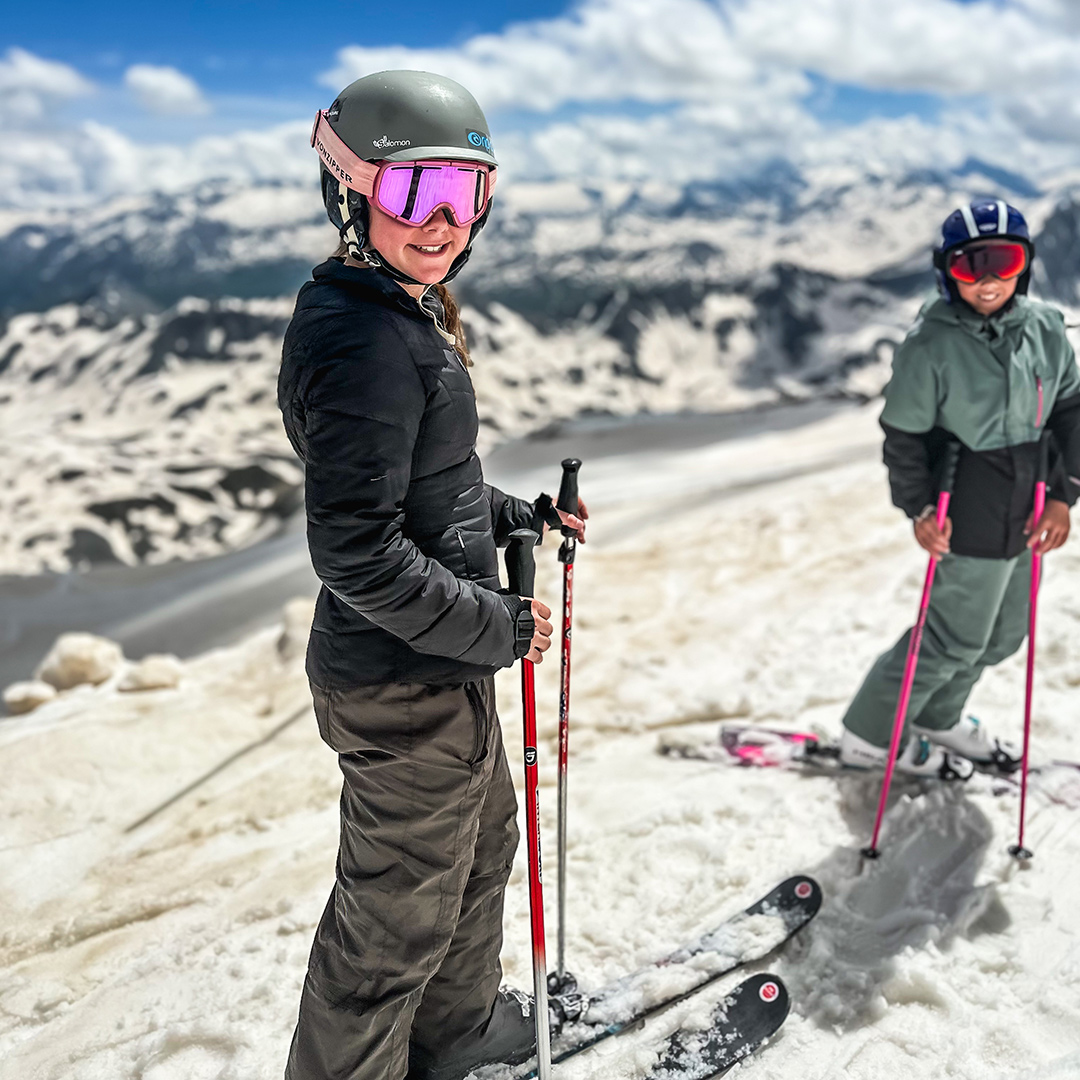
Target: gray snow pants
x=977, y=617
x=408, y=945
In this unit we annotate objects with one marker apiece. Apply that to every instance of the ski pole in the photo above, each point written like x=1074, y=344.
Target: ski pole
x=952, y=452
x=1018, y=851
x=521, y=570
x=567, y=502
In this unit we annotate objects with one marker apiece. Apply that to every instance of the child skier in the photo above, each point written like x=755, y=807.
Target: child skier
x=991, y=370
x=410, y=624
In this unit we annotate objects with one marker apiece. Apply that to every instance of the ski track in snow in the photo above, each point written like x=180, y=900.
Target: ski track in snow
x=176, y=951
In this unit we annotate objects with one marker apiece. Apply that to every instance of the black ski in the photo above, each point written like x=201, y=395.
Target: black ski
x=752, y=1012
x=588, y=1019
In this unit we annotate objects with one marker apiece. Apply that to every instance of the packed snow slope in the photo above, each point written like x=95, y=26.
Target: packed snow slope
x=755, y=579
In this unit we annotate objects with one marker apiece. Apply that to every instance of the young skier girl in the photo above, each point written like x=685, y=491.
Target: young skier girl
x=991, y=370
x=410, y=624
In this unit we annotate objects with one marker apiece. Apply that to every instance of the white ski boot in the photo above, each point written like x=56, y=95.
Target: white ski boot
x=971, y=740
x=918, y=758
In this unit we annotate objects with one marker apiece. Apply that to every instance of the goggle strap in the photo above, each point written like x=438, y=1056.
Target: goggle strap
x=340, y=161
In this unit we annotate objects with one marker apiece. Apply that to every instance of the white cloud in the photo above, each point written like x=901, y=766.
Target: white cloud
x=604, y=51
x=733, y=76
x=640, y=91
x=165, y=90
x=936, y=46
x=1053, y=116
x=30, y=84
x=698, y=99
x=666, y=51
x=96, y=162
x=1065, y=13
x=730, y=137
x=690, y=144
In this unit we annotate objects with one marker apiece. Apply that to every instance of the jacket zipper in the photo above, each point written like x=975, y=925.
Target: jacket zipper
x=1038, y=414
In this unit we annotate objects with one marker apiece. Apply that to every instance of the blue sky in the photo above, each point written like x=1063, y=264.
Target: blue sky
x=99, y=100
x=229, y=45
x=256, y=59
x=266, y=55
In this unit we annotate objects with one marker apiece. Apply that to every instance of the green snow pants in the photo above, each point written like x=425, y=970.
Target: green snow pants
x=977, y=617
x=408, y=946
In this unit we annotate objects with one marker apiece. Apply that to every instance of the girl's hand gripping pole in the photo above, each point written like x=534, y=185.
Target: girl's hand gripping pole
x=948, y=478
x=567, y=502
x=521, y=570
x=1018, y=850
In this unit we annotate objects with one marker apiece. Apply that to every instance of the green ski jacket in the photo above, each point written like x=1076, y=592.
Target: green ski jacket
x=998, y=386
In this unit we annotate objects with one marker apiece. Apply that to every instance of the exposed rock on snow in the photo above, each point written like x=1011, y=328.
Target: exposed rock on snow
x=158, y=671
x=149, y=252
x=548, y=244
x=158, y=437
x=24, y=697
x=146, y=439
x=141, y=424
x=79, y=658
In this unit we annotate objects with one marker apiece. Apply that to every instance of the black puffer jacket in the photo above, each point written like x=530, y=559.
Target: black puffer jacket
x=401, y=526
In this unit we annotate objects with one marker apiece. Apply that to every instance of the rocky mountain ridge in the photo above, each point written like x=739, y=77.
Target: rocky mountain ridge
x=141, y=423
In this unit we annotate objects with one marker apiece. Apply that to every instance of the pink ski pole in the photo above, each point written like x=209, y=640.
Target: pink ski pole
x=1018, y=850
x=521, y=570
x=914, y=645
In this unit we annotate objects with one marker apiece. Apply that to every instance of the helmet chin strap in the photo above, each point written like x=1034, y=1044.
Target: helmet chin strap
x=353, y=237
x=362, y=250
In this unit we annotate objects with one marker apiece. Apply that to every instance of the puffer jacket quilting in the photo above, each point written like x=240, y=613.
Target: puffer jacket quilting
x=401, y=526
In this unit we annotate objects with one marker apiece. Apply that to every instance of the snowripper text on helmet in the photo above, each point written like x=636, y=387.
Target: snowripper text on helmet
x=331, y=162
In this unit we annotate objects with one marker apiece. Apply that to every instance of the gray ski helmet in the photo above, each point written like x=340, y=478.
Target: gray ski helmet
x=402, y=116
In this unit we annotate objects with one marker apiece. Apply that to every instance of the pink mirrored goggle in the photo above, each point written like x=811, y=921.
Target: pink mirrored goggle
x=410, y=191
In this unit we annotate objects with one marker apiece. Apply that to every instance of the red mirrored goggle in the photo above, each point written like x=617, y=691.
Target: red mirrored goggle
x=410, y=191
x=1004, y=259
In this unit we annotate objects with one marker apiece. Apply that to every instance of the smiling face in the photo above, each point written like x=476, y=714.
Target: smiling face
x=989, y=295
x=424, y=252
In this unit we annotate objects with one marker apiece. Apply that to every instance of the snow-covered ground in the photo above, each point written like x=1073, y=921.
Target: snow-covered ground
x=755, y=578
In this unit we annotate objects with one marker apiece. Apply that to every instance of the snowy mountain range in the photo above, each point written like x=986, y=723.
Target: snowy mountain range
x=139, y=341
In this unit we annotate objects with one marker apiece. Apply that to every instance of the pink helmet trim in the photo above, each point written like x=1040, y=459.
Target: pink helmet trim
x=352, y=171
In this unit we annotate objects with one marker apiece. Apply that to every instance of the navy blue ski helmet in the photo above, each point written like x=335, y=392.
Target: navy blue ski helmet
x=983, y=219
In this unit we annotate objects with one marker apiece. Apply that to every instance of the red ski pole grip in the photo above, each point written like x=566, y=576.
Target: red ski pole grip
x=520, y=564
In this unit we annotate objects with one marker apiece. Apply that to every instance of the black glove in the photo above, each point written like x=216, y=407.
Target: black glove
x=524, y=623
